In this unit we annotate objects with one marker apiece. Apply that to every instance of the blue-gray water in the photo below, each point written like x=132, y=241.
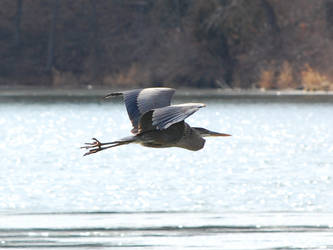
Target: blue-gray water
x=269, y=186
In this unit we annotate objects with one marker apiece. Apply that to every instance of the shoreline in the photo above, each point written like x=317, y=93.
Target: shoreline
x=181, y=92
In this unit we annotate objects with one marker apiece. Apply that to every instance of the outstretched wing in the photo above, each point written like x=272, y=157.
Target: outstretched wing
x=162, y=118
x=140, y=101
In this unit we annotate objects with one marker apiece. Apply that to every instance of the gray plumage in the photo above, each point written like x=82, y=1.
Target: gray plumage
x=156, y=123
x=166, y=116
x=140, y=101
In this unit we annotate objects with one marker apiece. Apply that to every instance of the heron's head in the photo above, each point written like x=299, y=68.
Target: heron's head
x=206, y=133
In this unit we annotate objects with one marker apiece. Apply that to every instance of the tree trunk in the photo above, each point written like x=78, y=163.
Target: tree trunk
x=179, y=16
x=272, y=21
x=94, y=17
x=50, y=49
x=95, y=40
x=271, y=17
x=18, y=23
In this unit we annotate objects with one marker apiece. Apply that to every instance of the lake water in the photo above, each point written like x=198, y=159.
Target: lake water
x=269, y=186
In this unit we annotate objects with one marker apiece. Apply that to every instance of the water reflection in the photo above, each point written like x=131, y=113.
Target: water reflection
x=278, y=159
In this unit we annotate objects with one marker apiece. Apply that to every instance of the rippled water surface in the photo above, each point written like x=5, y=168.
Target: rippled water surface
x=268, y=186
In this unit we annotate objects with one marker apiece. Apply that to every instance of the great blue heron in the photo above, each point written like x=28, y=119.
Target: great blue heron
x=156, y=123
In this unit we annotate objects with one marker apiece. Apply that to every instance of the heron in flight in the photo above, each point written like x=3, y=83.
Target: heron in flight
x=156, y=123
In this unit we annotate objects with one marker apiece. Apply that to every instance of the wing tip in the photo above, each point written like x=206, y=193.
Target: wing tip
x=192, y=104
x=112, y=95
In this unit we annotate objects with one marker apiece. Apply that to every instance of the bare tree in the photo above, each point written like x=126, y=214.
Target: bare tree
x=95, y=39
x=179, y=15
x=50, y=49
x=18, y=23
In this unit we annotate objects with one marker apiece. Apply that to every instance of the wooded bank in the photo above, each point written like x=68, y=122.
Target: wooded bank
x=268, y=44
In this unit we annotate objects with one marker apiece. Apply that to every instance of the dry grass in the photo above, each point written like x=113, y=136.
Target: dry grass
x=135, y=75
x=63, y=79
x=280, y=77
x=312, y=80
x=60, y=79
x=266, y=79
x=285, y=79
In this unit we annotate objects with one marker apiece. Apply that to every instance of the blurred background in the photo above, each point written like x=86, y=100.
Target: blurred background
x=268, y=186
x=267, y=44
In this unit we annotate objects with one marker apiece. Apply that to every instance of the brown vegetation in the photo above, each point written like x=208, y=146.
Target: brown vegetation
x=268, y=44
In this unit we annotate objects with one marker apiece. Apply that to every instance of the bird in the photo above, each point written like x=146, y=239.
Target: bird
x=156, y=123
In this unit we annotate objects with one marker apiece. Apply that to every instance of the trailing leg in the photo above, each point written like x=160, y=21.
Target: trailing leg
x=97, y=146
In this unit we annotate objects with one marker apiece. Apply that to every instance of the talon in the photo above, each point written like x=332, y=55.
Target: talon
x=97, y=143
x=88, y=153
x=92, y=151
x=93, y=147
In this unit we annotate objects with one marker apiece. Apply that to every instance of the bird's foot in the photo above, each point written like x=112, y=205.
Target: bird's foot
x=97, y=146
x=93, y=147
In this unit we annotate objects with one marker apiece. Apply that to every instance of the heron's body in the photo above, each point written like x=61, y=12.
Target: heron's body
x=156, y=123
x=179, y=134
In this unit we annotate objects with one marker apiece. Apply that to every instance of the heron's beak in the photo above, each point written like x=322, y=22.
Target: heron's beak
x=206, y=133
x=212, y=133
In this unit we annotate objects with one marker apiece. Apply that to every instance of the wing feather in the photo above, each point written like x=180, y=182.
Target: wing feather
x=162, y=118
x=140, y=101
